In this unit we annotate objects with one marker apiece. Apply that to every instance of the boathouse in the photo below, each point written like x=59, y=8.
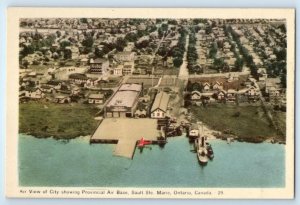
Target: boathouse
x=160, y=105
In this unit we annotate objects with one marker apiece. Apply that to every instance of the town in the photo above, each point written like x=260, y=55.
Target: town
x=120, y=79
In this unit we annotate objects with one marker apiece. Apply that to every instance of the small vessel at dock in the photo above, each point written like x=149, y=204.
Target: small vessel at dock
x=204, y=149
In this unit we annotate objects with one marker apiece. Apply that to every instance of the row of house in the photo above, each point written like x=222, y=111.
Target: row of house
x=229, y=95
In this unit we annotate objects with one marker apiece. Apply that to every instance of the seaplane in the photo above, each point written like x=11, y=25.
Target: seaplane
x=142, y=143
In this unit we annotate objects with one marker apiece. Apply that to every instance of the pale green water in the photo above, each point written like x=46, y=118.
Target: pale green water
x=48, y=162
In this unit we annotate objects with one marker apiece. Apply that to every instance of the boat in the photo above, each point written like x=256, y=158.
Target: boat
x=194, y=132
x=210, y=152
x=202, y=152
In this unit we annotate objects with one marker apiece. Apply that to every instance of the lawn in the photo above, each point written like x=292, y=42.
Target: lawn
x=61, y=121
x=250, y=124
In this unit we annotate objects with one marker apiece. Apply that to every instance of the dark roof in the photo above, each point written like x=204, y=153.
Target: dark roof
x=99, y=60
x=78, y=76
x=53, y=82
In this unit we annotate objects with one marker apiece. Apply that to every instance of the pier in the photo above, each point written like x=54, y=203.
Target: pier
x=125, y=132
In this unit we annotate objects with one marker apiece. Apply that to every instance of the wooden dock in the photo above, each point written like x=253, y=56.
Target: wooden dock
x=125, y=132
x=125, y=148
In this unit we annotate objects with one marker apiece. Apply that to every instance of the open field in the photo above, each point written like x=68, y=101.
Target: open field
x=61, y=121
x=248, y=123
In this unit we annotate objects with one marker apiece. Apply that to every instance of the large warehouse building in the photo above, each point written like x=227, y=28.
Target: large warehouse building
x=124, y=102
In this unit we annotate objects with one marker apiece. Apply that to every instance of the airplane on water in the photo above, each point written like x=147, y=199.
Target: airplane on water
x=142, y=142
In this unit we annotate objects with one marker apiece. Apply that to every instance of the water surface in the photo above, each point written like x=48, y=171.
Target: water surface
x=49, y=162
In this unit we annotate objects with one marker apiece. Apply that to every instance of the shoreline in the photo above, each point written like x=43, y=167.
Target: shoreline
x=210, y=137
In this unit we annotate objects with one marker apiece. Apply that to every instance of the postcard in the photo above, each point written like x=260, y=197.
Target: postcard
x=184, y=103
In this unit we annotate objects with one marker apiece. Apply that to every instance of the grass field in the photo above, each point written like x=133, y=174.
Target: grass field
x=61, y=121
x=250, y=124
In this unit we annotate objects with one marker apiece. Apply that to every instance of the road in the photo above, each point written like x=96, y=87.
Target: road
x=183, y=71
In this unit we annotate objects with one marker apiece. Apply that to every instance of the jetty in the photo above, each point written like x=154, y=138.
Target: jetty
x=125, y=132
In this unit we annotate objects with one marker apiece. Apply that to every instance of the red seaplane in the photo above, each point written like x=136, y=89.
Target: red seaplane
x=142, y=142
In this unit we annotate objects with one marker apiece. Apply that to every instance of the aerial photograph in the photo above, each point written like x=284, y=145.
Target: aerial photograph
x=152, y=102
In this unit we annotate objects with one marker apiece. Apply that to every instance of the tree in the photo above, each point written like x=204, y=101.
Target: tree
x=27, y=50
x=67, y=54
x=177, y=62
x=120, y=44
x=64, y=44
x=88, y=42
x=162, y=51
x=25, y=64
x=131, y=37
x=58, y=34
x=99, y=53
x=83, y=20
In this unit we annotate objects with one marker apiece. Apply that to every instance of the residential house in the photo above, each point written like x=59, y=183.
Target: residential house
x=84, y=62
x=206, y=87
x=217, y=86
x=195, y=95
x=55, y=84
x=34, y=93
x=96, y=99
x=221, y=95
x=140, y=113
x=61, y=99
x=47, y=88
x=125, y=56
x=231, y=95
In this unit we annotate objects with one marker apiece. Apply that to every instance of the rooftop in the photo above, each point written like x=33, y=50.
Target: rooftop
x=161, y=102
x=123, y=98
x=131, y=87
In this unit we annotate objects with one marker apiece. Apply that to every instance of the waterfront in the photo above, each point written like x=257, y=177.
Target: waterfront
x=49, y=162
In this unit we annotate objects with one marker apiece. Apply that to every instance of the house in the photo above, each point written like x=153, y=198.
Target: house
x=61, y=99
x=75, y=90
x=84, y=62
x=55, y=84
x=217, y=86
x=34, y=93
x=231, y=95
x=118, y=70
x=78, y=78
x=272, y=87
x=252, y=91
x=206, y=87
x=160, y=105
x=75, y=52
x=195, y=95
x=47, y=88
x=140, y=113
x=128, y=68
x=221, y=94
x=125, y=56
x=273, y=92
x=99, y=66
x=96, y=99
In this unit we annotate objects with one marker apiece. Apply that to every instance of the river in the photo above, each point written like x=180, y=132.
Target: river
x=49, y=162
